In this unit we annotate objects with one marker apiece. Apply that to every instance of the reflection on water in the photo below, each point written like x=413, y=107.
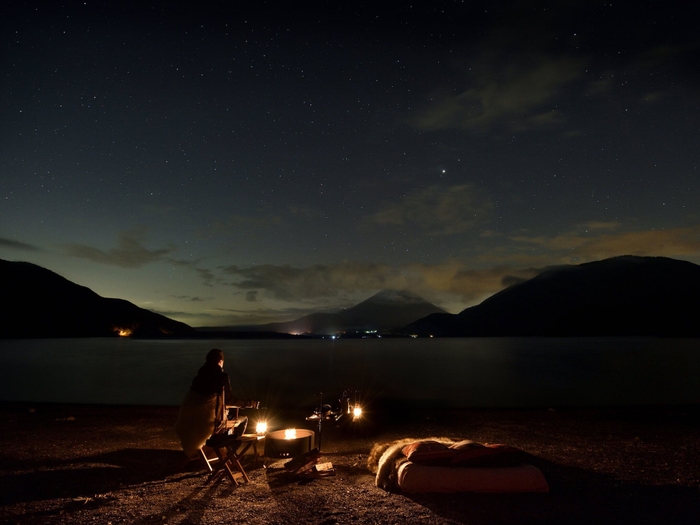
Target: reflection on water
x=456, y=372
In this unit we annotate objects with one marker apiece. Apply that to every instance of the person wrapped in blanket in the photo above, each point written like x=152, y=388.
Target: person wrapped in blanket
x=197, y=418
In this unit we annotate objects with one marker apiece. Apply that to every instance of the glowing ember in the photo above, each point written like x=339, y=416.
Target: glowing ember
x=290, y=433
x=261, y=427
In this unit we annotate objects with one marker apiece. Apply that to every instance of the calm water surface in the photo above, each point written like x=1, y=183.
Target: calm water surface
x=459, y=372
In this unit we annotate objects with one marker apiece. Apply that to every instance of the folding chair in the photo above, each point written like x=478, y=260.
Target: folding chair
x=229, y=451
x=228, y=442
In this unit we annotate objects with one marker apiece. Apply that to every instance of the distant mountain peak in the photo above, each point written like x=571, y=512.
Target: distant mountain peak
x=384, y=312
x=396, y=296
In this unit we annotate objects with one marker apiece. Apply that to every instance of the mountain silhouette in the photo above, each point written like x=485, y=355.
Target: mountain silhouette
x=622, y=296
x=37, y=302
x=383, y=312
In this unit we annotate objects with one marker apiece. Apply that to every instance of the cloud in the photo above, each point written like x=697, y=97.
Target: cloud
x=517, y=97
x=237, y=317
x=17, y=245
x=189, y=298
x=594, y=245
x=288, y=283
x=349, y=282
x=470, y=285
x=437, y=210
x=593, y=241
x=453, y=284
x=130, y=252
x=600, y=86
x=208, y=278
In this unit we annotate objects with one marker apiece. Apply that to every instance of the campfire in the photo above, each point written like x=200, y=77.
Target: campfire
x=288, y=443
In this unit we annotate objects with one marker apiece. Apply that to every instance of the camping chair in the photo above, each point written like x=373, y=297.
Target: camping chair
x=228, y=443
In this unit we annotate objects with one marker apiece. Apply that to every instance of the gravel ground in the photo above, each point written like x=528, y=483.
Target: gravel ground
x=109, y=465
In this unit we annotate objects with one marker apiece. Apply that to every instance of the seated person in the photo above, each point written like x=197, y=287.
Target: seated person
x=197, y=418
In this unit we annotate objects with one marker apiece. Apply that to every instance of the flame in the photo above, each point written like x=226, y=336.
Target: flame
x=290, y=433
x=123, y=332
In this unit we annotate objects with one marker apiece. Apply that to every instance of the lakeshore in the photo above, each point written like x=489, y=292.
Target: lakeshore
x=65, y=463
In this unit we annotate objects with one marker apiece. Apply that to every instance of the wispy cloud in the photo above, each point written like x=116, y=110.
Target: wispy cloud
x=224, y=317
x=453, y=284
x=288, y=283
x=600, y=243
x=17, y=245
x=437, y=210
x=593, y=241
x=521, y=69
x=129, y=253
x=517, y=96
x=470, y=285
x=350, y=281
x=208, y=278
x=189, y=298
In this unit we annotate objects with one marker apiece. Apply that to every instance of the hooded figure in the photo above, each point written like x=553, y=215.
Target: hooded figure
x=197, y=418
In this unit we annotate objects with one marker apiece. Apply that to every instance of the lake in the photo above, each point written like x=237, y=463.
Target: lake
x=451, y=372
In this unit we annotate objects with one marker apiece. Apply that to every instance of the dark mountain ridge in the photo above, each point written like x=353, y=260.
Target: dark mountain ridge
x=622, y=296
x=36, y=302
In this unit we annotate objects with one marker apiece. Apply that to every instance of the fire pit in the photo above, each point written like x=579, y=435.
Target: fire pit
x=288, y=443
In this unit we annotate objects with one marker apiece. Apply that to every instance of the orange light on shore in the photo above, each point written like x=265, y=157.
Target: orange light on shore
x=290, y=433
x=123, y=332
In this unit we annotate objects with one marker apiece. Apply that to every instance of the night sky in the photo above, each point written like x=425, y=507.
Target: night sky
x=237, y=162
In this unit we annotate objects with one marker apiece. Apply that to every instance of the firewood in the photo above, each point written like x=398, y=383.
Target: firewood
x=303, y=462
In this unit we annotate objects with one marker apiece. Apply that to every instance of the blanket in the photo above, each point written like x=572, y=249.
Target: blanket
x=443, y=465
x=195, y=421
x=385, y=458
